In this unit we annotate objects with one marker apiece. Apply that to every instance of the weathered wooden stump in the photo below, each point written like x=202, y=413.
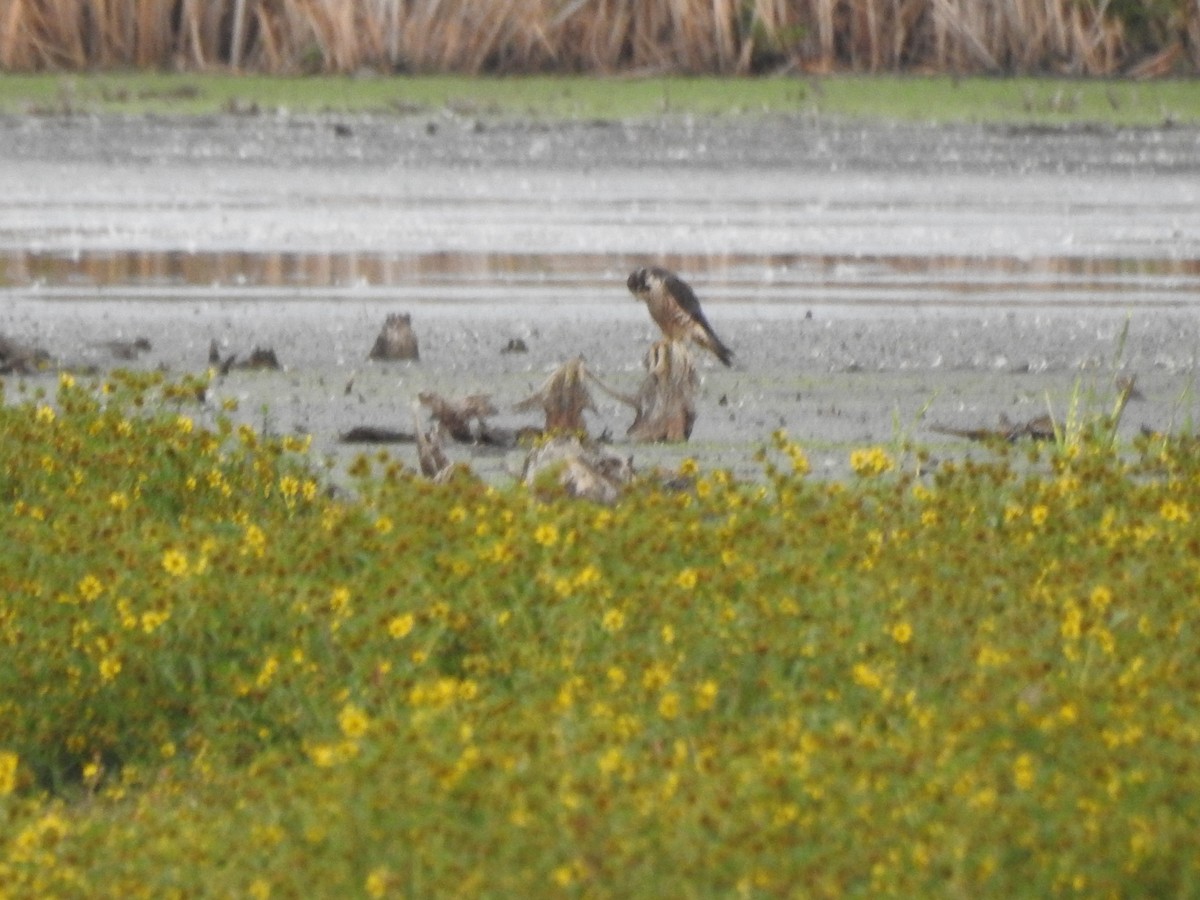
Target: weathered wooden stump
x=261, y=358
x=432, y=459
x=578, y=466
x=563, y=398
x=396, y=340
x=666, y=400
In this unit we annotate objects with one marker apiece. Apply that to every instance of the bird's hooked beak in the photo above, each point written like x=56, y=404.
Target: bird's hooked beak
x=636, y=281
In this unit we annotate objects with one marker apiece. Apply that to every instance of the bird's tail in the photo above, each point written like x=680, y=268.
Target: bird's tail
x=724, y=354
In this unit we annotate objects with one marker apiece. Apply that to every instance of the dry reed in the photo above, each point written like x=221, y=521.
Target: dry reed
x=603, y=36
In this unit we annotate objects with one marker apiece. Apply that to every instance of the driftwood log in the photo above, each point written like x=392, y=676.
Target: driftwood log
x=375, y=434
x=1039, y=428
x=666, y=401
x=462, y=419
x=396, y=340
x=580, y=467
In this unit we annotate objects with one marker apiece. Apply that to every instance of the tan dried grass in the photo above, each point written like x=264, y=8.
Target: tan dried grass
x=605, y=36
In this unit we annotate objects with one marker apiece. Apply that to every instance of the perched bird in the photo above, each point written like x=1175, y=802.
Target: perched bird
x=673, y=305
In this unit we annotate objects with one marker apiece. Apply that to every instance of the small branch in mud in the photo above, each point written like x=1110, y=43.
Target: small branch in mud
x=396, y=340
x=1039, y=428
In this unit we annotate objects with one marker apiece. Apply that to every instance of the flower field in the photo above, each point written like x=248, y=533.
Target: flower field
x=219, y=677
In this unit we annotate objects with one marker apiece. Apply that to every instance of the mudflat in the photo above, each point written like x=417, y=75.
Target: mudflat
x=876, y=282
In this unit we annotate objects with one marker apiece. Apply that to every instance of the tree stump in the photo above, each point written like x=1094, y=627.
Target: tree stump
x=396, y=340
x=666, y=401
x=563, y=398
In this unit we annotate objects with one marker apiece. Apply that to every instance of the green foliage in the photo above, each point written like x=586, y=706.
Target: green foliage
x=934, y=99
x=217, y=679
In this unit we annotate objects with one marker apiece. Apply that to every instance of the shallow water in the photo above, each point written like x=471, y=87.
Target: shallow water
x=544, y=279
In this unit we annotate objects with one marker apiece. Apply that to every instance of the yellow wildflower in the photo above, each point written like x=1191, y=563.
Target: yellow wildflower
x=8, y=772
x=175, y=563
x=90, y=588
x=1023, y=772
x=1174, y=512
x=110, y=668
x=339, y=600
x=613, y=621
x=289, y=487
x=1100, y=598
x=668, y=707
x=610, y=761
x=1072, y=622
x=866, y=676
x=377, y=882
x=687, y=579
x=152, y=619
x=254, y=541
x=353, y=721
x=401, y=626
x=267, y=673
x=546, y=534
x=871, y=461
x=706, y=694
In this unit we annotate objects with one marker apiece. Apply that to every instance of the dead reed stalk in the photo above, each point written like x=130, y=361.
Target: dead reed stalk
x=638, y=36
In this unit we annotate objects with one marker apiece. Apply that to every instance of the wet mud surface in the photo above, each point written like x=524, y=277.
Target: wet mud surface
x=873, y=280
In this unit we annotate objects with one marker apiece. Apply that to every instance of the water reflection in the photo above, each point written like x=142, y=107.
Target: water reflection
x=965, y=274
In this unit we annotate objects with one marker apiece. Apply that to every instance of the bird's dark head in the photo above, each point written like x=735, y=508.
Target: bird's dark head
x=636, y=281
x=642, y=281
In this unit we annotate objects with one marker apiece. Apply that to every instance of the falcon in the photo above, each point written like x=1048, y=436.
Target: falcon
x=674, y=307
